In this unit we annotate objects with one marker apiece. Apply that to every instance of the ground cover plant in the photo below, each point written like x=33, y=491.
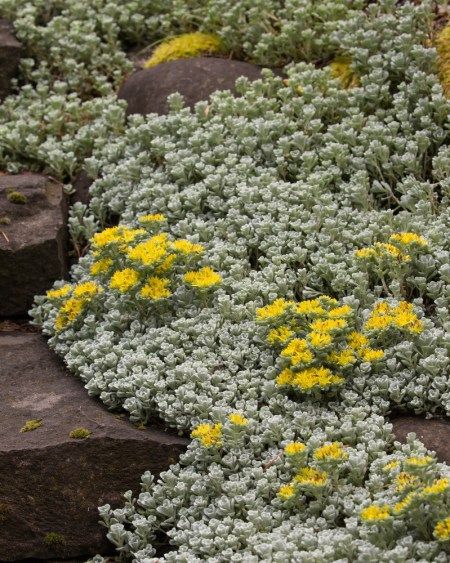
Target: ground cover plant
x=278, y=284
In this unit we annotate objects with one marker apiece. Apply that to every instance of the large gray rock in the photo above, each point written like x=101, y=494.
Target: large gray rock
x=33, y=239
x=51, y=484
x=195, y=79
x=434, y=433
x=10, y=51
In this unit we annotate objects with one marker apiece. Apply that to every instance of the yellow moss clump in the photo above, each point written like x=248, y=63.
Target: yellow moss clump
x=443, y=51
x=341, y=69
x=31, y=425
x=183, y=47
x=80, y=433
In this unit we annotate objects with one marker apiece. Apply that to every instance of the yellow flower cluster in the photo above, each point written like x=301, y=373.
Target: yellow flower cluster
x=71, y=308
x=133, y=261
x=394, y=249
x=205, y=277
x=208, y=434
x=184, y=46
x=60, y=292
x=421, y=494
x=294, y=448
x=409, y=239
x=443, y=51
x=308, y=478
x=237, y=419
x=312, y=477
x=152, y=218
x=274, y=310
x=115, y=235
x=374, y=513
x=156, y=288
x=124, y=280
x=442, y=529
x=318, y=340
x=330, y=452
x=401, y=317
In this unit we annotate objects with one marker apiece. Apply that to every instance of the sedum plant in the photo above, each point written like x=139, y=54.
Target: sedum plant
x=330, y=182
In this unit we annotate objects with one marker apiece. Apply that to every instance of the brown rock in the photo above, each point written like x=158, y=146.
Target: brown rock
x=51, y=483
x=33, y=239
x=10, y=51
x=195, y=79
x=81, y=184
x=434, y=433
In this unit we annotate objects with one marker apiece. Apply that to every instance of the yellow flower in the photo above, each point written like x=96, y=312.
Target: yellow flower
x=114, y=235
x=387, y=249
x=328, y=325
x=391, y=465
x=320, y=339
x=409, y=238
x=69, y=312
x=442, y=529
x=294, y=448
x=419, y=461
x=279, y=335
x=443, y=59
x=374, y=513
x=286, y=491
x=298, y=352
x=437, y=487
x=405, y=481
x=60, y=292
x=166, y=264
x=371, y=355
x=309, y=307
x=184, y=46
x=315, y=377
x=275, y=309
x=87, y=289
x=330, y=452
x=365, y=253
x=153, y=218
x=237, y=419
x=150, y=251
x=405, y=503
x=208, y=434
x=309, y=476
x=342, y=311
x=156, y=288
x=101, y=266
x=357, y=340
x=402, y=316
x=343, y=358
x=123, y=280
x=205, y=277
x=285, y=377
x=187, y=247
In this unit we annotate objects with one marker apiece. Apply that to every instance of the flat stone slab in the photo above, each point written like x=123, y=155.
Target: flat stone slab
x=33, y=239
x=51, y=484
x=195, y=79
x=10, y=53
x=434, y=433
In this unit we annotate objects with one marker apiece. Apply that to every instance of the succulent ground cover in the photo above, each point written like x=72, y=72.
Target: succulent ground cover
x=279, y=281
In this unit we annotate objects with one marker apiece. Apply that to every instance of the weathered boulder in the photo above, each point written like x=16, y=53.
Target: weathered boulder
x=195, y=79
x=51, y=484
x=33, y=239
x=434, y=433
x=10, y=51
